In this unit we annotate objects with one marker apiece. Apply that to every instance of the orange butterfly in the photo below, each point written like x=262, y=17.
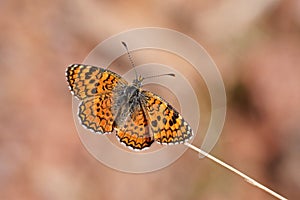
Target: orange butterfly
x=109, y=103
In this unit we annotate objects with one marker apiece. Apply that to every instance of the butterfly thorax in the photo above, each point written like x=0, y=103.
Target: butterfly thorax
x=126, y=100
x=131, y=92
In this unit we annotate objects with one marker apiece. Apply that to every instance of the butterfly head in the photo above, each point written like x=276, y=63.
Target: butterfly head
x=138, y=81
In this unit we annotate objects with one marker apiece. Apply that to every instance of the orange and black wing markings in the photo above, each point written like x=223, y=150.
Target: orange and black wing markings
x=167, y=125
x=108, y=103
x=95, y=87
x=135, y=131
x=88, y=81
x=95, y=113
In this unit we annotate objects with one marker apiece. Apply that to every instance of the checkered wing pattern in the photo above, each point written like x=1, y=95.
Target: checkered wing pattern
x=167, y=125
x=88, y=81
x=95, y=87
x=135, y=132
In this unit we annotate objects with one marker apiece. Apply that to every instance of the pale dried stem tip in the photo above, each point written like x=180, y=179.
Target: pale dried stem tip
x=246, y=178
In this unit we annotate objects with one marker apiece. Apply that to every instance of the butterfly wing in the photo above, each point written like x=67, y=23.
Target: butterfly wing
x=96, y=88
x=135, y=131
x=95, y=113
x=167, y=125
x=88, y=81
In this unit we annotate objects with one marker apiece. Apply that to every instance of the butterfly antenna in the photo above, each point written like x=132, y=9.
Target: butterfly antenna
x=154, y=76
x=130, y=58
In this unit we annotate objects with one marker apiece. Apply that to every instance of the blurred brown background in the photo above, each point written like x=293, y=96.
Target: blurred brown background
x=255, y=44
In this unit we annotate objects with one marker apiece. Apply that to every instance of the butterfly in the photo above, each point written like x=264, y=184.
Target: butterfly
x=139, y=117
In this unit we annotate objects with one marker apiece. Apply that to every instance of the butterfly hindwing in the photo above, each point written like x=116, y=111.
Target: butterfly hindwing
x=95, y=113
x=167, y=125
x=88, y=81
x=135, y=131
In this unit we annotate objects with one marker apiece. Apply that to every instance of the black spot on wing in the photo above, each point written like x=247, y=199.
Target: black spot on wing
x=154, y=123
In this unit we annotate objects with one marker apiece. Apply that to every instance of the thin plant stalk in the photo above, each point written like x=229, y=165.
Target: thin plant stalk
x=246, y=178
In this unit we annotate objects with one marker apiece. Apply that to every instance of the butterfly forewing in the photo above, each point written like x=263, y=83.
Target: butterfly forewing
x=167, y=125
x=88, y=81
